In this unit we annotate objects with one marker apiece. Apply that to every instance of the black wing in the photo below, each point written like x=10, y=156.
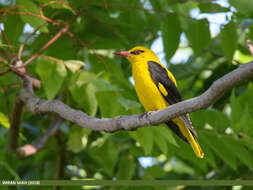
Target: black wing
x=170, y=93
x=160, y=77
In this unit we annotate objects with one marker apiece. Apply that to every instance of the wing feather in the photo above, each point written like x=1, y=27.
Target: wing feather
x=168, y=89
x=161, y=78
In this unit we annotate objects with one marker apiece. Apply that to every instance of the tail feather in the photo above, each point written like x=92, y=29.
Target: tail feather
x=180, y=129
x=173, y=126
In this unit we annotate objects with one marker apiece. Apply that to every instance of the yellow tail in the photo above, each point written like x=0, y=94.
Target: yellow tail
x=188, y=135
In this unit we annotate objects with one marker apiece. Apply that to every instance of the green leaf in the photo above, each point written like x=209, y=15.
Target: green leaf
x=218, y=120
x=74, y=65
x=78, y=138
x=106, y=156
x=251, y=32
x=241, y=57
x=13, y=27
x=84, y=91
x=90, y=101
x=198, y=34
x=126, y=168
x=182, y=168
x=31, y=9
x=166, y=133
x=229, y=39
x=210, y=7
x=4, y=121
x=248, y=142
x=154, y=172
x=236, y=112
x=116, y=73
x=105, y=43
x=198, y=118
x=161, y=143
x=158, y=5
x=52, y=75
x=12, y=172
x=238, y=149
x=241, y=111
x=217, y=144
x=86, y=77
x=4, y=66
x=145, y=138
x=242, y=6
x=246, y=121
x=170, y=35
x=186, y=152
x=103, y=85
x=108, y=104
x=128, y=104
x=60, y=4
x=209, y=154
x=246, y=98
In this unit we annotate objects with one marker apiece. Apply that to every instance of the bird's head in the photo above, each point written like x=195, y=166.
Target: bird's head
x=138, y=54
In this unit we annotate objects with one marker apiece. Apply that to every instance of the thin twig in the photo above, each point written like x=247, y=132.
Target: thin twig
x=1, y=60
x=49, y=43
x=5, y=54
x=57, y=36
x=52, y=59
x=73, y=36
x=106, y=5
x=52, y=2
x=98, y=20
x=4, y=72
x=54, y=126
x=21, y=49
x=7, y=42
x=32, y=14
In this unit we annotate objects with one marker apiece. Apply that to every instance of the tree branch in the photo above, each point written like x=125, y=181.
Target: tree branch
x=210, y=96
x=29, y=149
x=6, y=98
x=15, y=125
x=61, y=158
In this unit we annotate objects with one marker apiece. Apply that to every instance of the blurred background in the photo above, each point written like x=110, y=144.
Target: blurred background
x=198, y=40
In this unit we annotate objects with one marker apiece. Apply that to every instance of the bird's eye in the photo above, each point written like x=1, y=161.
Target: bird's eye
x=136, y=52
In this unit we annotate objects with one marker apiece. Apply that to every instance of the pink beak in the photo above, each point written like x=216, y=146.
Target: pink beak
x=122, y=53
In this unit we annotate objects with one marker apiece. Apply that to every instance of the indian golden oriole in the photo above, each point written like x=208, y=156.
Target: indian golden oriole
x=156, y=88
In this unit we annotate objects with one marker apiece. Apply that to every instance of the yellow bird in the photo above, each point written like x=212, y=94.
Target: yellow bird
x=156, y=88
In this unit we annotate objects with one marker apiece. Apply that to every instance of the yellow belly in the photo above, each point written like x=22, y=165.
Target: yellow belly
x=148, y=94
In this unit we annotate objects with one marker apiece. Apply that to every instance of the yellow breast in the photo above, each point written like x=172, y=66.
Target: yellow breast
x=146, y=89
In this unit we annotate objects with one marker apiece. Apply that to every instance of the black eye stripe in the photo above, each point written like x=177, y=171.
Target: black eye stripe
x=136, y=52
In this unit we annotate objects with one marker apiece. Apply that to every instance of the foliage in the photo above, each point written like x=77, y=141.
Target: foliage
x=80, y=70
